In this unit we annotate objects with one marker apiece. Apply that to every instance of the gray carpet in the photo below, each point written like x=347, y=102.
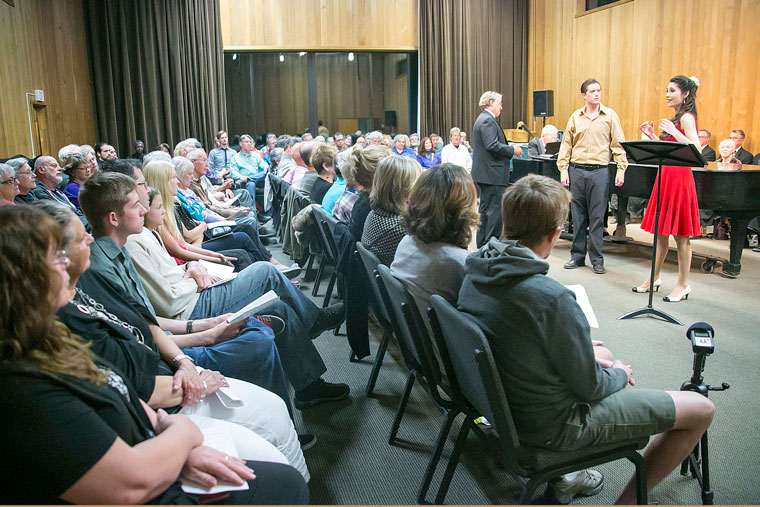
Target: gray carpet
x=352, y=462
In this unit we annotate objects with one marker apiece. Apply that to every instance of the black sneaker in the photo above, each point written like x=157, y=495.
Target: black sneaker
x=273, y=321
x=328, y=318
x=320, y=391
x=307, y=441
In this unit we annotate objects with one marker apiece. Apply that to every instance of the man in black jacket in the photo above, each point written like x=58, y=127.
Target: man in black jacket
x=490, y=165
x=737, y=136
x=704, y=140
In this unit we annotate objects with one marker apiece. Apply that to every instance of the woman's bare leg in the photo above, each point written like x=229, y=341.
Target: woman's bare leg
x=663, y=245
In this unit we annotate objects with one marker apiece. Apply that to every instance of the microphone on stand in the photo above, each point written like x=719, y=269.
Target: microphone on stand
x=521, y=125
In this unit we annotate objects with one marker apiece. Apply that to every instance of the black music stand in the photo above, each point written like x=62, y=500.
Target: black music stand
x=659, y=153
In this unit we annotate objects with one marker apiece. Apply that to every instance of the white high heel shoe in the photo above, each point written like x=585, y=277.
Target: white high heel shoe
x=682, y=296
x=657, y=284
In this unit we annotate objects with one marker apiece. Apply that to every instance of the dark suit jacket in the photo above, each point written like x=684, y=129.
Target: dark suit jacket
x=490, y=152
x=708, y=153
x=744, y=156
x=536, y=147
x=756, y=161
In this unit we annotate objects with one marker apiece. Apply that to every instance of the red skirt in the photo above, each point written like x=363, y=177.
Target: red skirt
x=679, y=211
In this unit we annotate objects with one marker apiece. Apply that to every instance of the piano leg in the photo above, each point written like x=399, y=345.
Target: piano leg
x=738, y=236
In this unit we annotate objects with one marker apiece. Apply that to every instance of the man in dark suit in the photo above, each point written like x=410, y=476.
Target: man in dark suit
x=704, y=140
x=490, y=165
x=537, y=146
x=756, y=160
x=737, y=136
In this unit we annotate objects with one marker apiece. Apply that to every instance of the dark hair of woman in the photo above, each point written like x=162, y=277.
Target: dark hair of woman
x=443, y=206
x=421, y=148
x=29, y=331
x=689, y=105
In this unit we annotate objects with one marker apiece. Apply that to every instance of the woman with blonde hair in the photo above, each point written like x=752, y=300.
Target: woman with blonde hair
x=383, y=229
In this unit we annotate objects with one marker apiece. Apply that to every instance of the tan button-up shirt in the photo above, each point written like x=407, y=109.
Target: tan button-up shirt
x=592, y=141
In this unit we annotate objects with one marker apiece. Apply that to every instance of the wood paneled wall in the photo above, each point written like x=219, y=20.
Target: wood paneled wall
x=43, y=46
x=345, y=89
x=272, y=25
x=634, y=48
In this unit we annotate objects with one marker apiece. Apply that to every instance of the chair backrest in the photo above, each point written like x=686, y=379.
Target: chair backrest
x=393, y=294
x=477, y=376
x=326, y=227
x=370, y=263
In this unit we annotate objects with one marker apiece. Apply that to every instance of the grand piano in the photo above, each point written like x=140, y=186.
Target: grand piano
x=732, y=194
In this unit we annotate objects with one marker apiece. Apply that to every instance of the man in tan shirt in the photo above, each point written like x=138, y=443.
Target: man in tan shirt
x=592, y=137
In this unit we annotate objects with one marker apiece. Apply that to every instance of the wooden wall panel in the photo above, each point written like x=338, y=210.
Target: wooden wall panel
x=43, y=46
x=270, y=25
x=634, y=48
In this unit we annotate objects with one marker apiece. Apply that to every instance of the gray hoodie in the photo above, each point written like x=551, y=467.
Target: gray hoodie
x=539, y=335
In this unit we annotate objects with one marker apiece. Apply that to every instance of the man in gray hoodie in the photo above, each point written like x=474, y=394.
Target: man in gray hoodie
x=561, y=397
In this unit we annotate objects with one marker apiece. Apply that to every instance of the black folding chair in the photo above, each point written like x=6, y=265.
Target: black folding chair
x=326, y=228
x=481, y=392
x=412, y=333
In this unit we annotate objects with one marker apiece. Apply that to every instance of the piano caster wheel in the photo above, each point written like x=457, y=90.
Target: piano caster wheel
x=708, y=266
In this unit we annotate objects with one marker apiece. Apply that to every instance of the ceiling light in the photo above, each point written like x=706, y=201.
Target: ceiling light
x=234, y=56
x=350, y=57
x=282, y=58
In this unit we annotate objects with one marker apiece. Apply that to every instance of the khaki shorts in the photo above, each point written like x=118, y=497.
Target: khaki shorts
x=628, y=414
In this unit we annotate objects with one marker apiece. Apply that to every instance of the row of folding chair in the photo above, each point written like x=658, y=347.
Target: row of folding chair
x=470, y=384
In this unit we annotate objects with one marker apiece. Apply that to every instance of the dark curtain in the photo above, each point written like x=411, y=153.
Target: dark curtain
x=466, y=48
x=157, y=70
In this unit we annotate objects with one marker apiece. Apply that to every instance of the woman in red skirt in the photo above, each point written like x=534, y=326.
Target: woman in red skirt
x=679, y=213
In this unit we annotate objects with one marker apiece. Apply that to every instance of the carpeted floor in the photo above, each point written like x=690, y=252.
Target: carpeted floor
x=352, y=462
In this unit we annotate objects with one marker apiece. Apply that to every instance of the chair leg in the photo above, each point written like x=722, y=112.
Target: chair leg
x=309, y=265
x=378, y=361
x=527, y=490
x=454, y=459
x=641, y=477
x=330, y=286
x=402, y=405
x=441, y=442
x=318, y=279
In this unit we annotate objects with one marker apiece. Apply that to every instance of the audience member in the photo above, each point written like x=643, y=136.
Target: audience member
x=156, y=155
x=340, y=141
x=727, y=151
x=542, y=348
x=414, y=141
x=537, y=146
x=363, y=163
x=323, y=161
x=465, y=142
x=360, y=141
x=341, y=180
x=455, y=152
x=25, y=178
x=78, y=170
x=383, y=229
x=220, y=158
x=306, y=182
x=104, y=445
x=737, y=136
x=164, y=147
x=426, y=155
x=167, y=291
x=704, y=141
x=48, y=178
x=105, y=151
x=442, y=212
x=8, y=185
x=307, y=137
x=92, y=160
x=321, y=128
x=400, y=147
x=139, y=151
x=437, y=143
x=216, y=197
x=67, y=151
x=247, y=166
x=756, y=160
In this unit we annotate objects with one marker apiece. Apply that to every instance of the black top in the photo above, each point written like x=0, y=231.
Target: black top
x=319, y=189
x=113, y=342
x=359, y=215
x=55, y=428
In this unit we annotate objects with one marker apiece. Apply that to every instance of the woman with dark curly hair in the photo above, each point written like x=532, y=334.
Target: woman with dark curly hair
x=443, y=209
x=74, y=418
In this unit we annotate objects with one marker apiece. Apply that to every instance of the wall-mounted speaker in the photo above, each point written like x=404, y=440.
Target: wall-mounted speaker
x=543, y=103
x=390, y=118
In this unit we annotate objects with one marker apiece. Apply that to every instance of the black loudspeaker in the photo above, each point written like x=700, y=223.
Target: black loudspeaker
x=543, y=103
x=390, y=118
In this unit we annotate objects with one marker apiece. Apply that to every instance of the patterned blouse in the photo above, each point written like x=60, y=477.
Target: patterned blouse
x=383, y=232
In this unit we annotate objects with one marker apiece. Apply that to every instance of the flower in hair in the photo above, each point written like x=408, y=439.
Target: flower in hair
x=694, y=80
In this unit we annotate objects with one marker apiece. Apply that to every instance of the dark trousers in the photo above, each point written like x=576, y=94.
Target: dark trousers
x=588, y=206
x=275, y=484
x=490, y=212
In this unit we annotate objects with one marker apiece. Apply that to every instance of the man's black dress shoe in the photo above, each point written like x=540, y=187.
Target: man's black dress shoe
x=574, y=264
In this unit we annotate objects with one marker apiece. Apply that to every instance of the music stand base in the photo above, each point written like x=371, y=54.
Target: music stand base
x=648, y=310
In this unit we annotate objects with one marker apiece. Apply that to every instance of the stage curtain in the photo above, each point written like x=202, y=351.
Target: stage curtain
x=466, y=48
x=157, y=71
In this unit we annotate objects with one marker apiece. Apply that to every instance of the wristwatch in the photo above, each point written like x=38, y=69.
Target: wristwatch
x=180, y=357
x=189, y=327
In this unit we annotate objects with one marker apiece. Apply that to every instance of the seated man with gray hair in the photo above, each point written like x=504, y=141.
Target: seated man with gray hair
x=247, y=167
x=537, y=146
x=49, y=176
x=455, y=152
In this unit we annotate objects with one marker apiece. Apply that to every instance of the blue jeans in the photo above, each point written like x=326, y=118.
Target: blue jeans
x=237, y=241
x=300, y=359
x=251, y=356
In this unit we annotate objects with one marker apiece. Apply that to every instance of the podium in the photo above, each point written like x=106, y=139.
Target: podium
x=659, y=153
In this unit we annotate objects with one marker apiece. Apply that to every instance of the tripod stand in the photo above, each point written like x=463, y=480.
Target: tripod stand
x=699, y=462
